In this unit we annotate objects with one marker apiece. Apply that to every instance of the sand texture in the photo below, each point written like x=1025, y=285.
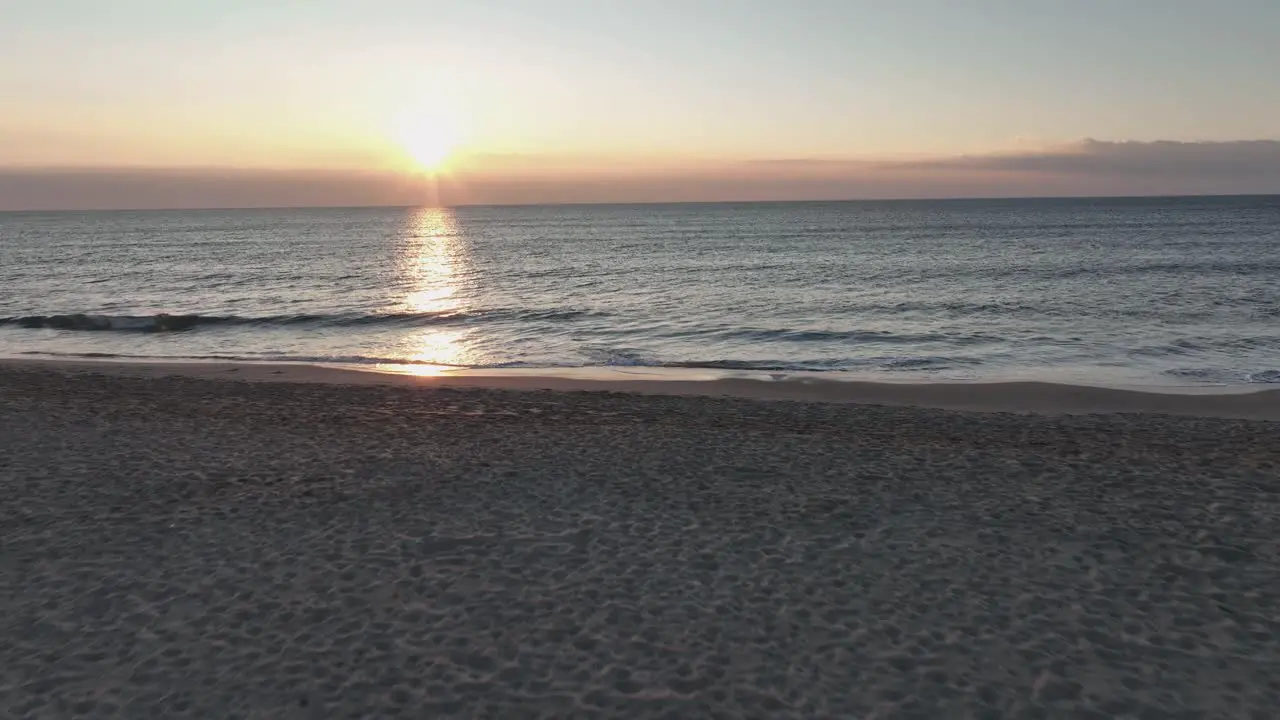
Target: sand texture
x=193, y=547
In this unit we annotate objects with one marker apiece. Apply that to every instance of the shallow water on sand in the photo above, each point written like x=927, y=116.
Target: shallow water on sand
x=1159, y=291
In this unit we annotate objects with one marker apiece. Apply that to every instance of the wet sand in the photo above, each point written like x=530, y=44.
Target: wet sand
x=1259, y=402
x=191, y=546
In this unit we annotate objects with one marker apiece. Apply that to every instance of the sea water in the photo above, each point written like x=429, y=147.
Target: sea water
x=1169, y=291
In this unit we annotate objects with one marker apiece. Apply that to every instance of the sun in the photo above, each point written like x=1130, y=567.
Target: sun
x=428, y=141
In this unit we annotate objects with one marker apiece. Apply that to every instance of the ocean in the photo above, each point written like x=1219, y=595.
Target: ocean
x=1156, y=291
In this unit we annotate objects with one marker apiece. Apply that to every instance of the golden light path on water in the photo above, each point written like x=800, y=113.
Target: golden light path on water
x=432, y=264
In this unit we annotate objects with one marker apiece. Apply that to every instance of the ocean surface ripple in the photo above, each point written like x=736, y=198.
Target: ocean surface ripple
x=1156, y=291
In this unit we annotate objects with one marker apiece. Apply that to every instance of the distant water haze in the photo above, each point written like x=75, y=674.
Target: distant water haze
x=1182, y=291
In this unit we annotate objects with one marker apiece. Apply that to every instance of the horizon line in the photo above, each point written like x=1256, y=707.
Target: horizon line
x=974, y=198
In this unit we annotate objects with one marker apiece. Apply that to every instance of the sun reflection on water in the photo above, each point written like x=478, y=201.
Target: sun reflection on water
x=432, y=266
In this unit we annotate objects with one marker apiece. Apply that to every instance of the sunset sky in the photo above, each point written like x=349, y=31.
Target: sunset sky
x=328, y=101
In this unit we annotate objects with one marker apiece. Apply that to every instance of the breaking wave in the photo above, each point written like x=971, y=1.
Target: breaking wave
x=164, y=322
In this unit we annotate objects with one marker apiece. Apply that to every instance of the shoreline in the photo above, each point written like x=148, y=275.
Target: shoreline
x=1015, y=396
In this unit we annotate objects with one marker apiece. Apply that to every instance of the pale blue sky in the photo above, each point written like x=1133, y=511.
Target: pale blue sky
x=322, y=83
x=752, y=77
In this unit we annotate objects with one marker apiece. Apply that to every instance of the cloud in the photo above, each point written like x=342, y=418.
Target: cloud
x=214, y=188
x=1087, y=168
x=144, y=188
x=1252, y=159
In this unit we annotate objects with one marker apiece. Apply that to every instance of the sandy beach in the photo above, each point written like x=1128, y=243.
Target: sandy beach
x=256, y=541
